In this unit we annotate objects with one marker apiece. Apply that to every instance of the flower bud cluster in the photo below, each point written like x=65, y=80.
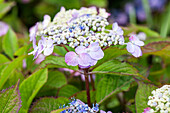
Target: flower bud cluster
x=65, y=16
x=77, y=106
x=160, y=101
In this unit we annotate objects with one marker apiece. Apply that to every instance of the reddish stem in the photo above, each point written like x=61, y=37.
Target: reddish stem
x=65, y=47
x=92, y=82
x=87, y=87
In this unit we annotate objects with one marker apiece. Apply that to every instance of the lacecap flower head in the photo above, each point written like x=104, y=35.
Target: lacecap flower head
x=76, y=28
x=160, y=101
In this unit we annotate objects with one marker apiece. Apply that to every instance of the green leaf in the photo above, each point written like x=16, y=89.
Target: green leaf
x=13, y=78
x=57, y=62
x=161, y=49
x=59, y=110
x=109, y=86
x=98, y=3
x=23, y=50
x=68, y=91
x=56, y=79
x=60, y=50
x=4, y=59
x=149, y=32
x=155, y=46
x=132, y=15
x=111, y=53
x=142, y=94
x=83, y=96
x=165, y=23
x=30, y=87
x=66, y=3
x=10, y=100
x=48, y=104
x=116, y=67
x=132, y=108
x=10, y=44
x=9, y=69
x=5, y=7
x=148, y=13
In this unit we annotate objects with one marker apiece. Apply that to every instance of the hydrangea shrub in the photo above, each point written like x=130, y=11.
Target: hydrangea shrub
x=80, y=62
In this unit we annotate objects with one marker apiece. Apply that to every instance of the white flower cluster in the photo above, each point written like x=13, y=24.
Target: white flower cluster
x=160, y=101
x=80, y=27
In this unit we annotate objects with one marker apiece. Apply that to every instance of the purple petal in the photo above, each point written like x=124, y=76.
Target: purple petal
x=49, y=43
x=133, y=38
x=101, y=111
x=40, y=46
x=119, y=31
x=93, y=62
x=130, y=47
x=83, y=67
x=80, y=49
x=24, y=63
x=139, y=43
x=36, y=54
x=80, y=102
x=32, y=35
x=71, y=58
x=40, y=58
x=115, y=26
x=97, y=55
x=46, y=21
x=48, y=51
x=62, y=9
x=137, y=52
x=146, y=110
x=84, y=59
x=75, y=14
x=94, y=46
x=3, y=28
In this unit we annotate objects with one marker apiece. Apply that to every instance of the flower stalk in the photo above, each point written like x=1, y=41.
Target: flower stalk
x=87, y=86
